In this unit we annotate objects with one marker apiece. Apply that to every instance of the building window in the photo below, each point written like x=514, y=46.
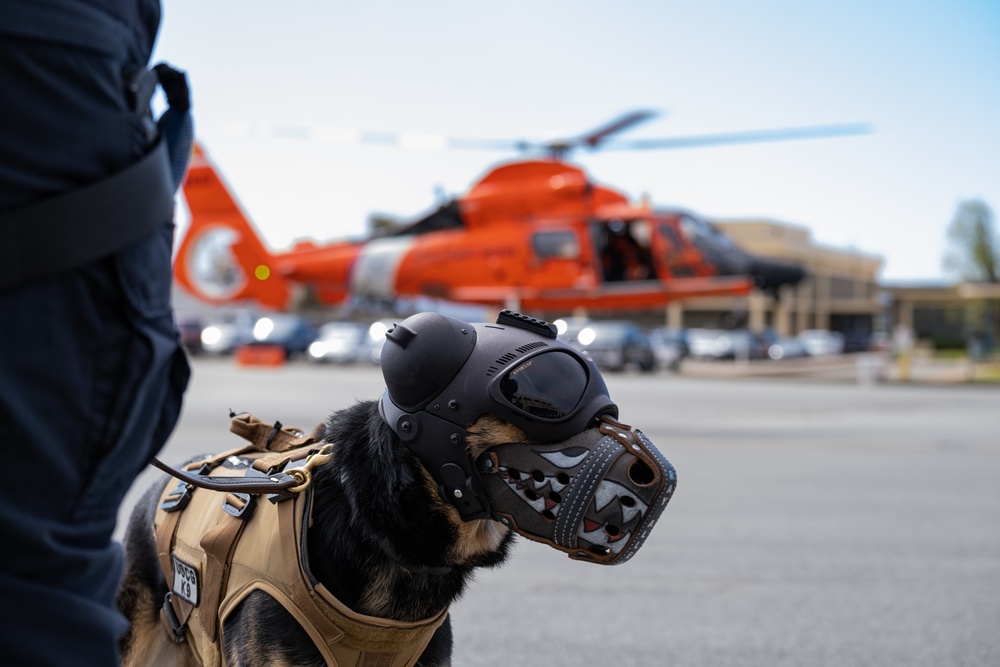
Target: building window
x=841, y=288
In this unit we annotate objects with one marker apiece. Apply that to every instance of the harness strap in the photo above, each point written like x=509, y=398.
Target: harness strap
x=165, y=540
x=270, y=437
x=219, y=545
x=180, y=609
x=376, y=659
x=378, y=642
x=287, y=520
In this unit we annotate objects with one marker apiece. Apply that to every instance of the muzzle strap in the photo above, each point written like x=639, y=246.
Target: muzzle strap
x=582, y=490
x=660, y=501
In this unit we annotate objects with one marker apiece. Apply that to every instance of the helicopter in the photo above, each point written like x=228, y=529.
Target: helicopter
x=534, y=234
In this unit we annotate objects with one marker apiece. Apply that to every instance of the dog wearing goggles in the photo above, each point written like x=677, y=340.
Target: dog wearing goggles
x=484, y=431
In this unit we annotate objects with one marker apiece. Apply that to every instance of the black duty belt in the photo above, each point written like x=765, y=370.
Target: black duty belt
x=83, y=225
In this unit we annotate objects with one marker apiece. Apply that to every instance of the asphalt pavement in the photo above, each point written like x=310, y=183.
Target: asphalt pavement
x=814, y=524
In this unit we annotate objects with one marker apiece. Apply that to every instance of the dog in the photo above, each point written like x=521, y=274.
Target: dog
x=484, y=431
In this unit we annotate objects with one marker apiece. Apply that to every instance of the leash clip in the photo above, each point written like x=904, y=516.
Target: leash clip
x=303, y=473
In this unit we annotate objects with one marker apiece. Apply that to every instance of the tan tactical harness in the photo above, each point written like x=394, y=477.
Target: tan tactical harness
x=216, y=548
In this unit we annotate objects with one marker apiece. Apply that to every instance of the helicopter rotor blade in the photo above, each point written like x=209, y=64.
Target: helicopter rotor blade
x=347, y=135
x=558, y=148
x=620, y=124
x=751, y=136
x=597, y=139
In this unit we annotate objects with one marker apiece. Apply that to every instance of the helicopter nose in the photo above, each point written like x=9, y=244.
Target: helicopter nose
x=771, y=275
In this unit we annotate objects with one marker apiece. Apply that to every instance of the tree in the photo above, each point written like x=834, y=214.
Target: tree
x=974, y=248
x=974, y=253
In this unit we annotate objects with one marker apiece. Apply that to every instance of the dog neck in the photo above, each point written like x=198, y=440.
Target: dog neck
x=380, y=539
x=413, y=568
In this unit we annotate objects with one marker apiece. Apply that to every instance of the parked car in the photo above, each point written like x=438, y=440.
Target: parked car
x=567, y=328
x=372, y=347
x=669, y=347
x=227, y=331
x=822, y=343
x=291, y=332
x=857, y=340
x=786, y=347
x=723, y=344
x=339, y=343
x=616, y=344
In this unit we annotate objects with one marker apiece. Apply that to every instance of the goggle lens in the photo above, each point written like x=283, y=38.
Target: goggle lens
x=548, y=386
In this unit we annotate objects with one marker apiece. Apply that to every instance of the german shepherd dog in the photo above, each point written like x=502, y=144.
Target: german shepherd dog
x=385, y=540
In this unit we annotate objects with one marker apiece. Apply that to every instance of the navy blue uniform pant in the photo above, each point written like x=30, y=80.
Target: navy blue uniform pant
x=91, y=378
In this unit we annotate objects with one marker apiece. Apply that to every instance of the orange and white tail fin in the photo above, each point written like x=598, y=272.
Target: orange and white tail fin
x=221, y=258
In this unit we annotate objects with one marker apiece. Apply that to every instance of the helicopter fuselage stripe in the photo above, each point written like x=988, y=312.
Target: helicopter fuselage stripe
x=374, y=273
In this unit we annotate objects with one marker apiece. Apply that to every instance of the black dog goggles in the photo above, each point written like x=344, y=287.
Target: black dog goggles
x=443, y=374
x=547, y=386
x=515, y=369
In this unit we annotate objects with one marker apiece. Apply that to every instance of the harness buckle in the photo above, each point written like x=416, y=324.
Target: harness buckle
x=174, y=625
x=239, y=505
x=179, y=498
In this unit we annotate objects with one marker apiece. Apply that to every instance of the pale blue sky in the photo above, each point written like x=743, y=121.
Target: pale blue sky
x=925, y=75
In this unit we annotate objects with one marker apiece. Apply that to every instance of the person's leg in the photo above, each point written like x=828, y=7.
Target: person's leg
x=91, y=378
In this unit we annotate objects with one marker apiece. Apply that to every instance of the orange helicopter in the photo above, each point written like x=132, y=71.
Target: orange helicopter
x=533, y=234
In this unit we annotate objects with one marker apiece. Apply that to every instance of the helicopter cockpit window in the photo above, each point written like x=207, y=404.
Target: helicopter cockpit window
x=699, y=230
x=668, y=233
x=557, y=244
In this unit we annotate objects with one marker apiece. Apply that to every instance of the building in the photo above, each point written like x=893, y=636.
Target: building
x=947, y=316
x=840, y=293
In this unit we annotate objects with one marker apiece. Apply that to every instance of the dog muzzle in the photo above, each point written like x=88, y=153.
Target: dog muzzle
x=595, y=496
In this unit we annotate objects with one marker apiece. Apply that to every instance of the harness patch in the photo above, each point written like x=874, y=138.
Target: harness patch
x=185, y=581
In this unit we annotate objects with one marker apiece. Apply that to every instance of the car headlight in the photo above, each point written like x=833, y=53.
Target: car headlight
x=211, y=335
x=263, y=328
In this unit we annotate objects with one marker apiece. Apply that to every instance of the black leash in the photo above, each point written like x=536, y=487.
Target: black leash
x=281, y=483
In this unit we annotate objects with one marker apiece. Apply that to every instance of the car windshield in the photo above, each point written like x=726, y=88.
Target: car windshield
x=666, y=335
x=340, y=331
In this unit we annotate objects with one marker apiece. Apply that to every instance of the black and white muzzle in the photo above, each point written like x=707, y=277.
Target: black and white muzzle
x=595, y=496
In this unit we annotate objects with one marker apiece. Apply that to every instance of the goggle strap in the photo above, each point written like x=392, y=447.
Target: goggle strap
x=441, y=447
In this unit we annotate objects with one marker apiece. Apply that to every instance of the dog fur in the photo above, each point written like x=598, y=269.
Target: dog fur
x=379, y=527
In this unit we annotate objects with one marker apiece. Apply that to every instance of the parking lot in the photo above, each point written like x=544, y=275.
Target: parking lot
x=814, y=524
